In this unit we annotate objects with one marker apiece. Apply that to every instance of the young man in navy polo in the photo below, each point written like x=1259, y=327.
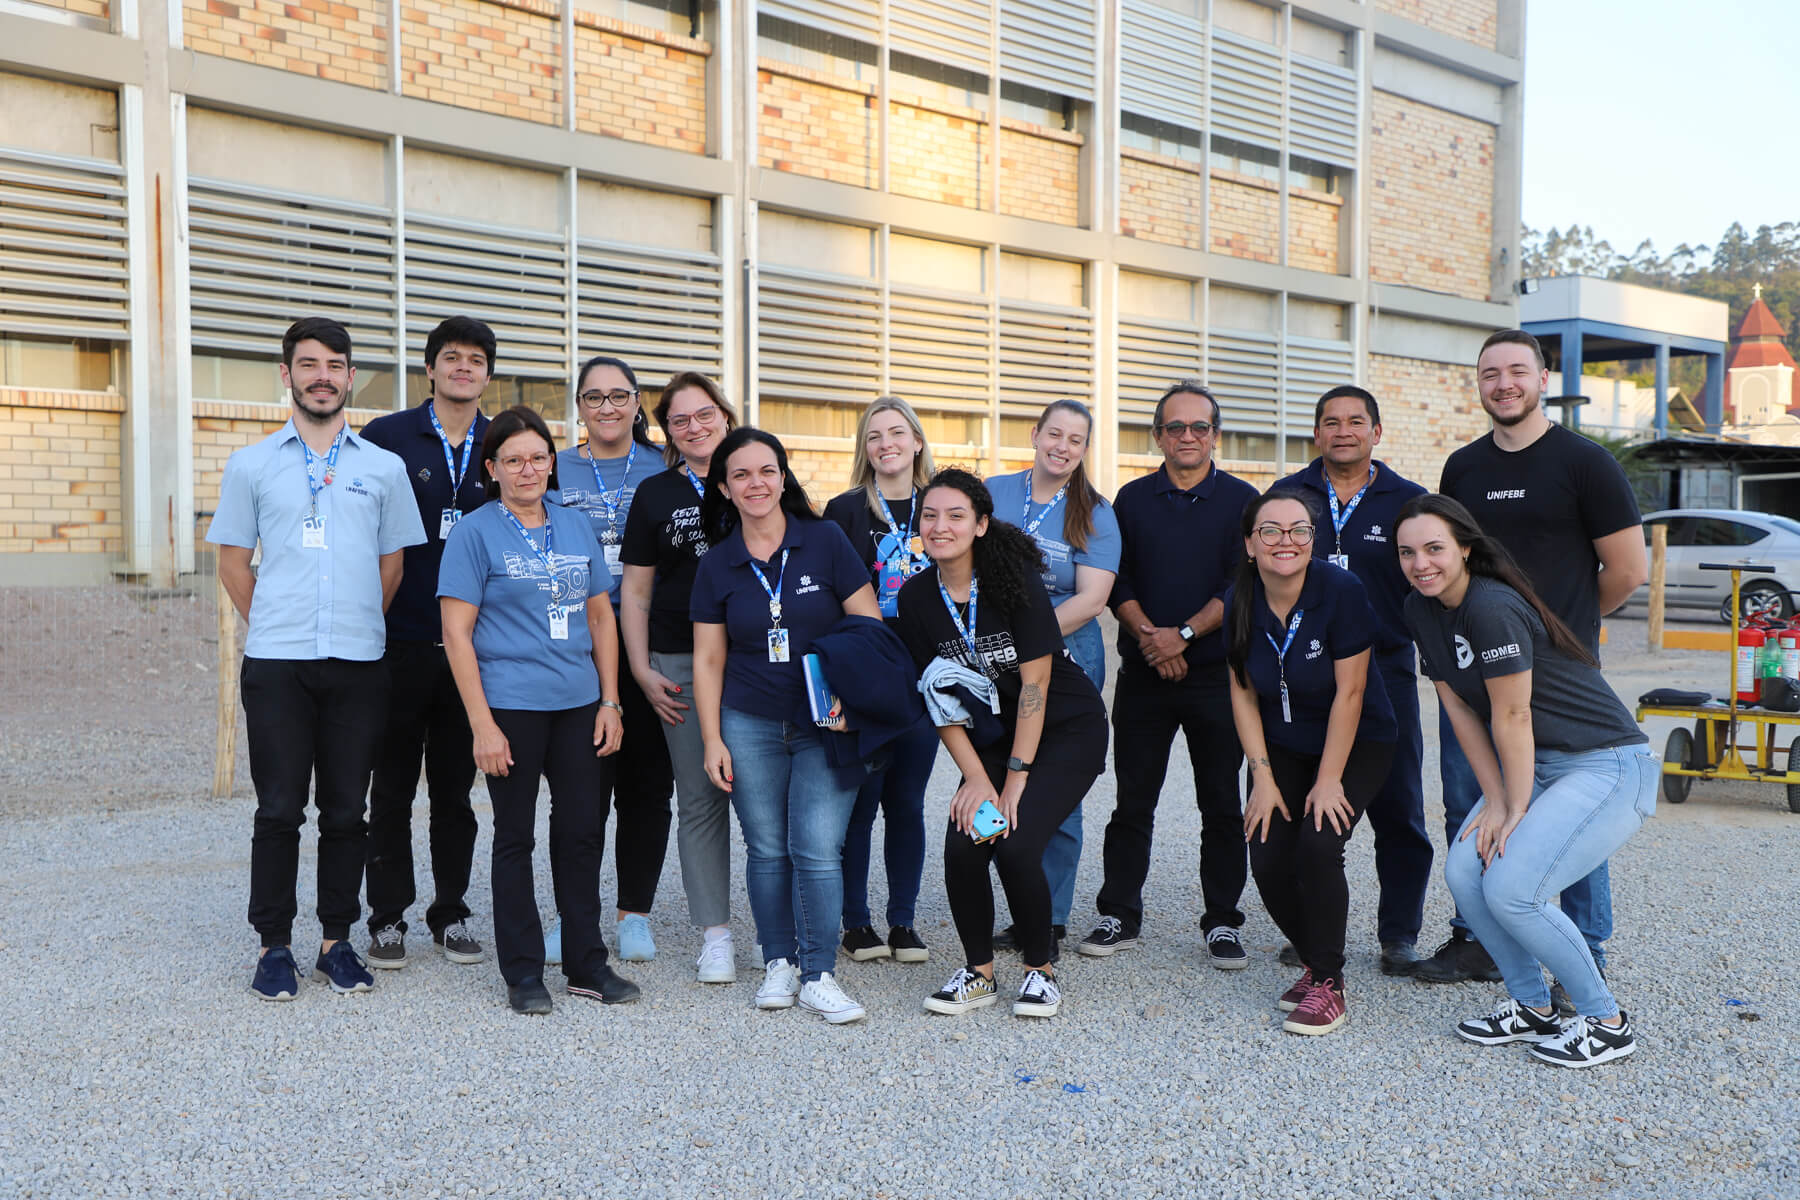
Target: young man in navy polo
x=440, y=442
x=1182, y=543
x=1360, y=497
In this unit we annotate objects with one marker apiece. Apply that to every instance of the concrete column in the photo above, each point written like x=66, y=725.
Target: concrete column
x=1712, y=399
x=1571, y=373
x=1662, y=389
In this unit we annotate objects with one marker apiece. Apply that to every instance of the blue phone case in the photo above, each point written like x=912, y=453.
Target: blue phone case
x=987, y=823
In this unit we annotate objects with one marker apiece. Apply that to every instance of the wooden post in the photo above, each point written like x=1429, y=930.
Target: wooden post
x=225, y=747
x=1659, y=567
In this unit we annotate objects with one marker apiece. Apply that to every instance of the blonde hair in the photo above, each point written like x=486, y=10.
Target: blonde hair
x=862, y=472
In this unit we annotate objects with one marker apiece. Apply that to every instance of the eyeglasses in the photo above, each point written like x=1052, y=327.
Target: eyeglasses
x=704, y=417
x=1271, y=535
x=598, y=400
x=1176, y=428
x=513, y=464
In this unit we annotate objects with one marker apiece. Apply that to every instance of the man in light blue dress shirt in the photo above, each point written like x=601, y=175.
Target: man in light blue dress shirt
x=332, y=514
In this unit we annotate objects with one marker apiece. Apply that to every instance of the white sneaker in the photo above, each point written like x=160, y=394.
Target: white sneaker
x=825, y=997
x=781, y=983
x=717, y=962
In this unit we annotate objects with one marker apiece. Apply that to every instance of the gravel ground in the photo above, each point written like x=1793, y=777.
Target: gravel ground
x=141, y=1066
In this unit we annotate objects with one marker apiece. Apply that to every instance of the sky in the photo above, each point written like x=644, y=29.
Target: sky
x=1661, y=119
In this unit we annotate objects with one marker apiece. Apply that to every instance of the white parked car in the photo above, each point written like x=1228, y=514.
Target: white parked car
x=1726, y=535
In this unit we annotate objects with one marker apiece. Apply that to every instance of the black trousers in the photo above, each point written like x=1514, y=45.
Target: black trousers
x=1397, y=812
x=1300, y=870
x=1070, y=757
x=425, y=718
x=642, y=783
x=312, y=724
x=559, y=747
x=1147, y=713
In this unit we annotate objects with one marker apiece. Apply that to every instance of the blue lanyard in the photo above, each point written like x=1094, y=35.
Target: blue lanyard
x=1287, y=713
x=1030, y=526
x=612, y=502
x=774, y=593
x=1338, y=522
x=457, y=474
x=902, y=536
x=543, y=555
x=315, y=485
x=967, y=632
x=699, y=488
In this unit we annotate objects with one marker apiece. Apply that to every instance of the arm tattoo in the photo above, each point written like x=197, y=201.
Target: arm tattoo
x=1031, y=700
x=1259, y=762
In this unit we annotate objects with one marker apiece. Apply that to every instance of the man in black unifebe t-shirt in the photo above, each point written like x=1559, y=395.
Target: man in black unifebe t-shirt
x=1562, y=506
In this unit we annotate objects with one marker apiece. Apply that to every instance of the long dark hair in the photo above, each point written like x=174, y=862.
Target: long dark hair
x=515, y=420
x=1082, y=499
x=718, y=515
x=1241, y=621
x=1486, y=557
x=640, y=424
x=1007, y=559
x=677, y=382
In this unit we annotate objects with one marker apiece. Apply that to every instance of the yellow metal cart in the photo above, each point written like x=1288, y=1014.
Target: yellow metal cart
x=1711, y=750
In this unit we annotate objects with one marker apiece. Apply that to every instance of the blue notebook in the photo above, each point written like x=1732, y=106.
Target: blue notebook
x=819, y=697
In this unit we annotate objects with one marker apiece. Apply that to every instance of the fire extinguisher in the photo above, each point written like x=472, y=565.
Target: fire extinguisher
x=1750, y=641
x=1790, y=653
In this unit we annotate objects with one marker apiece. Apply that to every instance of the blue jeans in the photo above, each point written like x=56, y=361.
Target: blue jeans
x=898, y=789
x=1087, y=646
x=1588, y=900
x=1584, y=806
x=793, y=811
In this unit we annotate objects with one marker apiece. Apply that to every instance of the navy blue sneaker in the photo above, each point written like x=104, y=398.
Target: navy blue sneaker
x=343, y=968
x=276, y=977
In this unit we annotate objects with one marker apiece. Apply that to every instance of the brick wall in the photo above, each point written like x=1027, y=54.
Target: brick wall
x=60, y=479
x=500, y=58
x=1431, y=206
x=85, y=8
x=822, y=471
x=1159, y=198
x=1475, y=21
x=939, y=151
x=1428, y=409
x=1245, y=216
x=813, y=124
x=1313, y=230
x=342, y=41
x=1040, y=172
x=640, y=84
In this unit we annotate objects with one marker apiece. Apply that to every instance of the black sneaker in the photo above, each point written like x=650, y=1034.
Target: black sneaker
x=906, y=945
x=1008, y=938
x=864, y=944
x=1289, y=956
x=1559, y=996
x=606, y=986
x=1226, y=949
x=1587, y=1042
x=387, y=948
x=458, y=945
x=966, y=991
x=1511, y=1022
x=1038, y=996
x=1457, y=961
x=529, y=996
x=1108, y=938
x=1399, y=958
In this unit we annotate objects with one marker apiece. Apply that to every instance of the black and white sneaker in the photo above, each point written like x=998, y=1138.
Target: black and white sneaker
x=864, y=944
x=905, y=944
x=1108, y=938
x=458, y=944
x=1511, y=1022
x=1226, y=949
x=387, y=948
x=1587, y=1042
x=967, y=990
x=1038, y=996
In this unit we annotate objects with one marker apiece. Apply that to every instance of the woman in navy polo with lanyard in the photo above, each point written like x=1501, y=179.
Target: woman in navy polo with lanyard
x=776, y=579
x=601, y=477
x=879, y=514
x=537, y=667
x=1076, y=531
x=1318, y=739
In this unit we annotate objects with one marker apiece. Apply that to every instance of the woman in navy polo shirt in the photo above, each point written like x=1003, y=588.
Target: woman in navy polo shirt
x=537, y=667
x=1319, y=739
x=776, y=579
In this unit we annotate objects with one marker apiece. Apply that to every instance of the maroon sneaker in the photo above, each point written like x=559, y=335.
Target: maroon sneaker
x=1290, y=999
x=1321, y=1012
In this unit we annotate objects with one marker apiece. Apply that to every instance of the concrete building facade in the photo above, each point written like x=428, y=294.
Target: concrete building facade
x=980, y=206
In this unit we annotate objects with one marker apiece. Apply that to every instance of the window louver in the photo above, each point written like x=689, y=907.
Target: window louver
x=63, y=270
x=859, y=20
x=1322, y=111
x=1243, y=371
x=818, y=336
x=940, y=349
x=662, y=311
x=1161, y=54
x=1314, y=366
x=1246, y=89
x=515, y=280
x=1049, y=44
x=1152, y=355
x=957, y=34
x=1046, y=353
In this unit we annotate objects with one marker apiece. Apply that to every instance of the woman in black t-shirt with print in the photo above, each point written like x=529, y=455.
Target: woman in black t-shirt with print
x=981, y=605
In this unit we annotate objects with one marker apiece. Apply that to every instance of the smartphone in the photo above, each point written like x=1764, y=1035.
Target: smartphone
x=987, y=823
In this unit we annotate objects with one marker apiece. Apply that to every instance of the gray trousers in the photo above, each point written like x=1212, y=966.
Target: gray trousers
x=703, y=812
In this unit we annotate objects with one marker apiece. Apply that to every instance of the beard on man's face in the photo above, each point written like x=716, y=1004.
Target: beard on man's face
x=321, y=399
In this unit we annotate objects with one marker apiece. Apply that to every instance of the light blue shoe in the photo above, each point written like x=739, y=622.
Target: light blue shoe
x=635, y=942
x=553, y=945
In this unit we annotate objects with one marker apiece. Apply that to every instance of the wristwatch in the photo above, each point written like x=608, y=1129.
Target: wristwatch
x=1187, y=633
x=1016, y=763
x=613, y=704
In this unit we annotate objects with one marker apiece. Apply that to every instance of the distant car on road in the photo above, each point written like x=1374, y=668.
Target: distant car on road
x=1727, y=535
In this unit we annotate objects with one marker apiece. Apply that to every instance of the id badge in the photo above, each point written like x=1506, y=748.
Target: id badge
x=446, y=522
x=778, y=645
x=1287, y=714
x=1339, y=560
x=312, y=533
x=559, y=625
x=612, y=558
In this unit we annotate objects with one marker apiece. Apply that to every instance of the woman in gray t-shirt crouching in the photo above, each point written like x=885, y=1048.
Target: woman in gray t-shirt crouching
x=1565, y=776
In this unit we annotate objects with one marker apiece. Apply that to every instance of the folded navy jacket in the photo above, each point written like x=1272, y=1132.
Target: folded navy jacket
x=868, y=668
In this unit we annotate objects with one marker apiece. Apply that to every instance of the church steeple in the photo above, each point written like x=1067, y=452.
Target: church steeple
x=1761, y=381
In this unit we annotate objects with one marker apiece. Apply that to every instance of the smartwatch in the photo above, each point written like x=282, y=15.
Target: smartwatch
x=1016, y=763
x=1187, y=633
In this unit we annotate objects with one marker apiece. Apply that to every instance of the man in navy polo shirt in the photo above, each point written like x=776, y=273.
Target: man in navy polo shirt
x=440, y=443
x=332, y=516
x=1182, y=542
x=1360, y=497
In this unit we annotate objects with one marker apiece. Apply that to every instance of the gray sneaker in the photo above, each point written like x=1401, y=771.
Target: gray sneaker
x=387, y=948
x=458, y=945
